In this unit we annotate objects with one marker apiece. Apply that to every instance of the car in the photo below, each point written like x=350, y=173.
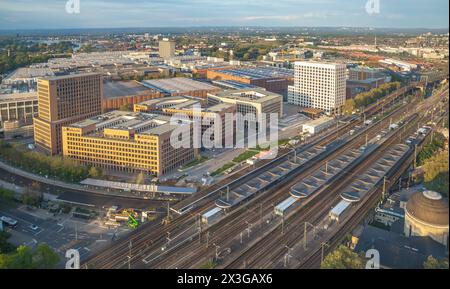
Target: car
x=34, y=227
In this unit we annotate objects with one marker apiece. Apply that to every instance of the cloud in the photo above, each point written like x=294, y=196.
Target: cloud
x=156, y=13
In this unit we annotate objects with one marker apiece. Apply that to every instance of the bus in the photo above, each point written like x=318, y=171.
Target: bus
x=9, y=221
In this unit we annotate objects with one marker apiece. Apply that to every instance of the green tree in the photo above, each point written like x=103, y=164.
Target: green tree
x=349, y=106
x=432, y=263
x=44, y=257
x=21, y=259
x=343, y=258
x=95, y=172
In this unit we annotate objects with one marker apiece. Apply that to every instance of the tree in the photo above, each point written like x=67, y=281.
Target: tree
x=125, y=107
x=343, y=258
x=349, y=106
x=95, y=172
x=432, y=263
x=44, y=257
x=31, y=197
x=140, y=178
x=5, y=247
x=22, y=259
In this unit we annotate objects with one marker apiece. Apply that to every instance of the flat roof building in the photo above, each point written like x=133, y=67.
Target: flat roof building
x=250, y=101
x=20, y=107
x=181, y=86
x=272, y=79
x=319, y=85
x=128, y=93
x=126, y=141
x=193, y=108
x=64, y=100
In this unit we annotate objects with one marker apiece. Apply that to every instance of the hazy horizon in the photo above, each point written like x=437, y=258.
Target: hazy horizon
x=101, y=14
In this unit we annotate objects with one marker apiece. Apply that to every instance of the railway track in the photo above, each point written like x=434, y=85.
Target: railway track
x=370, y=201
x=273, y=247
x=153, y=236
x=230, y=225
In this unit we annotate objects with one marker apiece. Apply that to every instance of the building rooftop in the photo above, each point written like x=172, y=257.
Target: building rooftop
x=248, y=94
x=177, y=85
x=266, y=72
x=139, y=123
x=182, y=103
x=398, y=251
x=323, y=64
x=113, y=89
x=429, y=207
x=60, y=77
x=26, y=96
x=28, y=73
x=232, y=84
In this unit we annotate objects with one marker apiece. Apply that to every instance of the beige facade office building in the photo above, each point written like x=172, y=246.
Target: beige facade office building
x=126, y=141
x=64, y=100
x=166, y=48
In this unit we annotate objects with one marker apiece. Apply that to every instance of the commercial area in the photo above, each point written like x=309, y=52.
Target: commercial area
x=64, y=100
x=126, y=141
x=180, y=86
x=272, y=79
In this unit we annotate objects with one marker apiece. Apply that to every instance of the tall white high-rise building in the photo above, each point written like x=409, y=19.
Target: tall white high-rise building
x=318, y=85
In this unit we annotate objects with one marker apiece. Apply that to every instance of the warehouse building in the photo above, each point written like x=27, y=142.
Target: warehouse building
x=126, y=141
x=180, y=86
x=272, y=79
x=125, y=93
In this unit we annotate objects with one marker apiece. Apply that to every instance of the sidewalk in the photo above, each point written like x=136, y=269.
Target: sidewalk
x=19, y=190
x=64, y=185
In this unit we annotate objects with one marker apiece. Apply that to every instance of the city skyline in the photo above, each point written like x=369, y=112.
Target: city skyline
x=26, y=14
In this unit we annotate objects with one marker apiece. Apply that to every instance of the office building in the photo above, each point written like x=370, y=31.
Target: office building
x=193, y=108
x=319, y=85
x=64, y=100
x=126, y=141
x=20, y=107
x=166, y=48
x=250, y=102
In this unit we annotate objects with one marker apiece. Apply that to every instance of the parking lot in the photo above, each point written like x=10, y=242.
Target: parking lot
x=61, y=232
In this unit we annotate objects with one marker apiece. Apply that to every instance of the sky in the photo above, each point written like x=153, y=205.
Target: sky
x=43, y=14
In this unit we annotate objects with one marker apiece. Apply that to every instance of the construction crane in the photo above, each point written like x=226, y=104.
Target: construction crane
x=132, y=222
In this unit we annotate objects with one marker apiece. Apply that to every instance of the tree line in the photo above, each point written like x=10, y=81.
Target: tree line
x=54, y=167
x=367, y=98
